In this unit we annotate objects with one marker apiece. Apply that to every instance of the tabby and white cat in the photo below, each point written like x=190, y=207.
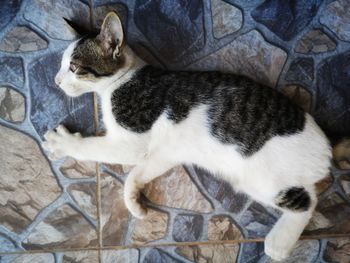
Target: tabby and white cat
x=241, y=131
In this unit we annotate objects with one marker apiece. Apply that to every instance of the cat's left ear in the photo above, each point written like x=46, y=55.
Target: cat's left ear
x=112, y=35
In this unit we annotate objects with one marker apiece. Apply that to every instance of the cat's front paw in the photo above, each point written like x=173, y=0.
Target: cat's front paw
x=60, y=142
x=276, y=248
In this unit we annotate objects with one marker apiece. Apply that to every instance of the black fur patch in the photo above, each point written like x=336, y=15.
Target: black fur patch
x=241, y=111
x=295, y=198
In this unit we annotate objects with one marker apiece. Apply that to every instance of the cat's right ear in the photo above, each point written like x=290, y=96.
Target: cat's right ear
x=112, y=35
x=79, y=29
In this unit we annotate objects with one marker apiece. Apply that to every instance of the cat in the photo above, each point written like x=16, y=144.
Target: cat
x=241, y=131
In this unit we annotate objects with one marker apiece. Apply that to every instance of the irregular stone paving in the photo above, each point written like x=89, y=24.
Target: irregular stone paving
x=176, y=189
x=22, y=39
x=12, y=105
x=301, y=48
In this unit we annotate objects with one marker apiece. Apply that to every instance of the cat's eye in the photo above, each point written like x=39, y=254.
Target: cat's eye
x=73, y=67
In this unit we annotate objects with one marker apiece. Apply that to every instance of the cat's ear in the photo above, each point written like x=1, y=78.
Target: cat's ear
x=111, y=35
x=79, y=29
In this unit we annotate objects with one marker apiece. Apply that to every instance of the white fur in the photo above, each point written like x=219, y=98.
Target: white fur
x=301, y=159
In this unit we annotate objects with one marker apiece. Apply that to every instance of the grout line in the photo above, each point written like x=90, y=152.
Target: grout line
x=98, y=198
x=98, y=185
x=170, y=244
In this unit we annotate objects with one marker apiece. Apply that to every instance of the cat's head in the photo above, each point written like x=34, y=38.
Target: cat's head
x=87, y=63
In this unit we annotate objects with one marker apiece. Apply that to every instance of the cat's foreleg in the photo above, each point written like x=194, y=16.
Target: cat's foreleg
x=61, y=143
x=136, y=180
x=297, y=205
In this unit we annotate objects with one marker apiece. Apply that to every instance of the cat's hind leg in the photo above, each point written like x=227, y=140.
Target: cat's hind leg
x=138, y=177
x=297, y=204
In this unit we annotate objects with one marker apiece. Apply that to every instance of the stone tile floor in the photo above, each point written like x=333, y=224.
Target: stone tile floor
x=68, y=211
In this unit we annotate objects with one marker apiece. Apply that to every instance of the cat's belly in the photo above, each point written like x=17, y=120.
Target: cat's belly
x=283, y=161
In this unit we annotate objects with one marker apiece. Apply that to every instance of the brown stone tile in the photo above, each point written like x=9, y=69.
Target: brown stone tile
x=219, y=228
x=341, y=154
x=27, y=184
x=318, y=221
x=227, y=19
x=337, y=250
x=63, y=228
x=299, y=95
x=222, y=228
x=331, y=216
x=151, y=228
x=85, y=196
x=176, y=189
x=227, y=253
x=120, y=256
x=119, y=169
x=114, y=214
x=72, y=168
x=80, y=257
x=324, y=184
x=315, y=41
x=12, y=105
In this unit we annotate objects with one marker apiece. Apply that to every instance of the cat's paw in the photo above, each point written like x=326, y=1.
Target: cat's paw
x=276, y=248
x=60, y=142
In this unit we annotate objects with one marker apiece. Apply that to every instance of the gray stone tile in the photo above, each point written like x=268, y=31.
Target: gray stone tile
x=175, y=28
x=286, y=19
x=333, y=103
x=8, y=11
x=187, y=227
x=157, y=255
x=26, y=181
x=63, y=228
x=120, y=256
x=304, y=251
x=222, y=191
x=301, y=70
x=29, y=258
x=248, y=55
x=22, y=39
x=11, y=71
x=50, y=106
x=337, y=17
x=48, y=15
x=12, y=105
x=337, y=250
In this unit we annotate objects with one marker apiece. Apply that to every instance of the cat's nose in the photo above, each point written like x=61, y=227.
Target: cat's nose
x=58, y=80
